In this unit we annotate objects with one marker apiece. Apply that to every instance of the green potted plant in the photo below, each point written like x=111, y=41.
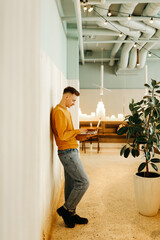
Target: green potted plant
x=142, y=129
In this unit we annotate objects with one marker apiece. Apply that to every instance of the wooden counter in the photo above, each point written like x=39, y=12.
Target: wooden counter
x=107, y=132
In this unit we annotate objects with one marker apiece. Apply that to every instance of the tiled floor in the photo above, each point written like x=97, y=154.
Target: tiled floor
x=109, y=202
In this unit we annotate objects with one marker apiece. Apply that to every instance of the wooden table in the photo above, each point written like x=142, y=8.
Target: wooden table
x=89, y=137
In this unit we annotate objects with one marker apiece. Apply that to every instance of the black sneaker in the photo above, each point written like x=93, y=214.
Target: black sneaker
x=67, y=217
x=79, y=220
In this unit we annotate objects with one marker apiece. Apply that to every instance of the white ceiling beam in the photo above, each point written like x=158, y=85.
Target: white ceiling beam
x=94, y=31
x=94, y=60
x=100, y=59
x=111, y=19
x=120, y=41
x=123, y=1
x=79, y=27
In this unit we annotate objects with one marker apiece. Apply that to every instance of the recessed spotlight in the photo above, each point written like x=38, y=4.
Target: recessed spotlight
x=120, y=34
x=105, y=22
x=109, y=13
x=90, y=9
x=129, y=17
x=149, y=54
x=151, y=20
x=85, y=8
x=135, y=45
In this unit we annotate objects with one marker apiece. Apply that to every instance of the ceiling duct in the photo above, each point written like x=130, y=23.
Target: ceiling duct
x=144, y=51
x=152, y=9
x=148, y=32
x=128, y=8
x=115, y=49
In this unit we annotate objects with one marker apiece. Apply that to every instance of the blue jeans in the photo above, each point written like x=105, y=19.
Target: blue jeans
x=76, y=180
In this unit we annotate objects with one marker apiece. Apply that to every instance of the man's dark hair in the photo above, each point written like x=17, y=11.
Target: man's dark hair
x=71, y=90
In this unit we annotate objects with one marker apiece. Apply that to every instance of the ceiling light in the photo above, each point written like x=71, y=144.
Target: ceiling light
x=129, y=17
x=109, y=13
x=135, y=45
x=120, y=34
x=149, y=54
x=105, y=23
x=85, y=8
x=90, y=9
x=151, y=20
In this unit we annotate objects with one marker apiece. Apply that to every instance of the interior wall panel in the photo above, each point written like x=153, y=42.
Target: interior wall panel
x=19, y=107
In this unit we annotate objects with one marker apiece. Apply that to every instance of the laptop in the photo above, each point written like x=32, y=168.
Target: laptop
x=95, y=131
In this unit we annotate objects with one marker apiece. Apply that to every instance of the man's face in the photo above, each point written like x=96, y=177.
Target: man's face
x=70, y=100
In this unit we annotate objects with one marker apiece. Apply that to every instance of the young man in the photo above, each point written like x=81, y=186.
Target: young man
x=76, y=180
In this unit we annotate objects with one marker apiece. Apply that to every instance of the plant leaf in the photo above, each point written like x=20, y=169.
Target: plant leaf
x=147, y=155
x=158, y=126
x=154, y=166
x=122, y=150
x=141, y=140
x=133, y=152
x=153, y=82
x=141, y=166
x=146, y=85
x=126, y=152
x=128, y=135
x=139, y=103
x=147, y=111
x=122, y=130
x=137, y=152
x=131, y=107
x=158, y=91
x=155, y=160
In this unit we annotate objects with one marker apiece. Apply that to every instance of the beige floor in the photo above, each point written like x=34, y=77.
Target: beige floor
x=109, y=202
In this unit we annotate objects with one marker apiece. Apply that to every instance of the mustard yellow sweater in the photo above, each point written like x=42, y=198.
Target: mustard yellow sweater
x=63, y=129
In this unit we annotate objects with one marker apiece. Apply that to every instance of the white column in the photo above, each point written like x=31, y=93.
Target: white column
x=19, y=121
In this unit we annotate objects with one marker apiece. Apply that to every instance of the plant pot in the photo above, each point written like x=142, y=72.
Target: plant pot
x=147, y=193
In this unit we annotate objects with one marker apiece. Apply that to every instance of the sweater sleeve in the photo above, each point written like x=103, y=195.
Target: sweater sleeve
x=61, y=127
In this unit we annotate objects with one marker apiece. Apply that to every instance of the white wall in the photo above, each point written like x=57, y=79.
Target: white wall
x=19, y=121
x=115, y=102
x=51, y=173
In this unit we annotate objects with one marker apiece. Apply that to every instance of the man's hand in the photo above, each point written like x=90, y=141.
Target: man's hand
x=82, y=137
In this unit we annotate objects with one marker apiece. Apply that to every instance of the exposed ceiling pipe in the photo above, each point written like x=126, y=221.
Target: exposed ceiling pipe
x=148, y=31
x=118, y=27
x=79, y=26
x=92, y=32
x=151, y=9
x=123, y=1
x=148, y=11
x=144, y=51
x=127, y=8
x=115, y=49
x=111, y=19
x=155, y=24
x=125, y=55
